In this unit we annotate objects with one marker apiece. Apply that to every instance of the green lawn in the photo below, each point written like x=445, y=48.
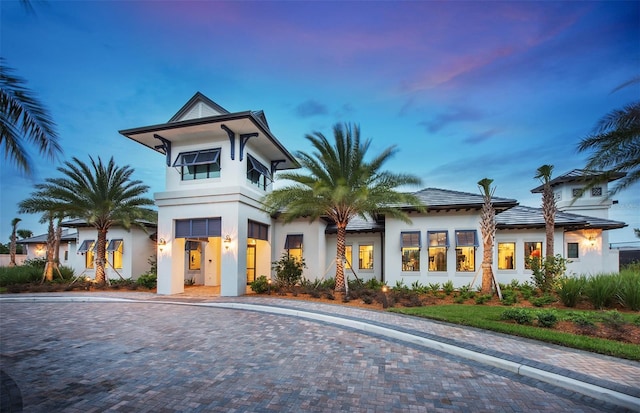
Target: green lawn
x=488, y=318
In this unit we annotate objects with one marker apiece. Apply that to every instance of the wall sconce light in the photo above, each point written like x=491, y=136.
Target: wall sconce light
x=161, y=244
x=227, y=242
x=592, y=240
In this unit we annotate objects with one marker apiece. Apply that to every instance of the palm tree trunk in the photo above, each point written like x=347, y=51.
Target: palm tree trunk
x=549, y=212
x=100, y=254
x=12, y=246
x=342, y=234
x=48, y=269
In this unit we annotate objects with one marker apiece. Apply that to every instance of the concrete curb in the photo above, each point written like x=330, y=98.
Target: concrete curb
x=577, y=386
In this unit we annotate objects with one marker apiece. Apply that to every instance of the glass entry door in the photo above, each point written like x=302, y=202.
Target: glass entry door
x=251, y=263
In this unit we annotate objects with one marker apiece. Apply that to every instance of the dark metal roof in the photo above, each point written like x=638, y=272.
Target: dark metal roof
x=358, y=225
x=582, y=176
x=79, y=222
x=444, y=199
x=523, y=217
x=42, y=239
x=197, y=97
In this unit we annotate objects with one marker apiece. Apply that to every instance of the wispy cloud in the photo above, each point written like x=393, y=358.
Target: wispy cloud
x=481, y=137
x=453, y=115
x=310, y=108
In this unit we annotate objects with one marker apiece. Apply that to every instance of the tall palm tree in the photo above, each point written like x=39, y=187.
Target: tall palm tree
x=23, y=120
x=103, y=195
x=13, y=239
x=488, y=229
x=24, y=233
x=38, y=203
x=615, y=143
x=543, y=173
x=340, y=184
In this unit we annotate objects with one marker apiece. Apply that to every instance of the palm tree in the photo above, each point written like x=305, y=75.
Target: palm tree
x=12, y=247
x=24, y=233
x=23, y=119
x=40, y=204
x=543, y=173
x=615, y=144
x=103, y=195
x=340, y=185
x=488, y=229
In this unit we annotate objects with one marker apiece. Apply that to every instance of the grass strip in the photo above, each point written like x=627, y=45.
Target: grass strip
x=488, y=318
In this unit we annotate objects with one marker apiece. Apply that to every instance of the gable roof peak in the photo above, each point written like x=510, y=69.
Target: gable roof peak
x=199, y=106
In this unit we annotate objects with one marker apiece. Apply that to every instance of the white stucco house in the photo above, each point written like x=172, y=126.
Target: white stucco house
x=127, y=251
x=212, y=228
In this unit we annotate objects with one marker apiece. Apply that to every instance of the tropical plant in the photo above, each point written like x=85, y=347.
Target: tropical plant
x=23, y=120
x=546, y=271
x=288, y=270
x=40, y=204
x=12, y=247
x=340, y=185
x=102, y=194
x=543, y=173
x=615, y=144
x=24, y=233
x=488, y=230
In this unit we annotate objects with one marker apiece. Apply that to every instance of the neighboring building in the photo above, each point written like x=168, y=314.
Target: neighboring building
x=212, y=228
x=127, y=251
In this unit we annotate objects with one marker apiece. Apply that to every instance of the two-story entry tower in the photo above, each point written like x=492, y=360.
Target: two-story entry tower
x=218, y=166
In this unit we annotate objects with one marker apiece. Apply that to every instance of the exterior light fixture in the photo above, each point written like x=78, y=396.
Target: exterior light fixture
x=227, y=242
x=269, y=283
x=592, y=240
x=161, y=244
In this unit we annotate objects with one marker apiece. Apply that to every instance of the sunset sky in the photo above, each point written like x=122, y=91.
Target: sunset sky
x=466, y=90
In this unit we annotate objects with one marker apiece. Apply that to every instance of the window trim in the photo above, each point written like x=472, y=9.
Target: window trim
x=577, y=245
x=513, y=263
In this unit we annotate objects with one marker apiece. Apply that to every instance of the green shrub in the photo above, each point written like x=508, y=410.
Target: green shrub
x=526, y=290
x=373, y=284
x=544, y=300
x=519, y=315
x=288, y=271
x=570, y=290
x=149, y=281
x=448, y=287
x=600, y=290
x=328, y=284
x=481, y=299
x=434, y=288
x=628, y=294
x=545, y=270
x=547, y=318
x=260, y=285
x=509, y=297
x=21, y=274
x=613, y=319
x=582, y=320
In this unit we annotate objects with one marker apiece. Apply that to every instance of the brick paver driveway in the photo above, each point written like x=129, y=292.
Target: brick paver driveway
x=159, y=357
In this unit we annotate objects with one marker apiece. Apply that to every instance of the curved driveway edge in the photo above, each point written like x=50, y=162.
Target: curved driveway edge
x=597, y=392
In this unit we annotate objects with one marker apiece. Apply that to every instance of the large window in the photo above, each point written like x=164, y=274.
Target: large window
x=198, y=228
x=87, y=248
x=410, y=247
x=194, y=253
x=438, y=244
x=348, y=255
x=114, y=253
x=257, y=230
x=293, y=245
x=199, y=164
x=257, y=173
x=572, y=250
x=506, y=255
x=532, y=250
x=365, y=257
x=466, y=244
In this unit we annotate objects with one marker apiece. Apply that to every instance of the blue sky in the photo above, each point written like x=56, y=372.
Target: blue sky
x=466, y=90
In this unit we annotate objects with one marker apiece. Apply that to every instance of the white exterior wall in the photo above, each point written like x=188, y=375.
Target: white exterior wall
x=594, y=255
x=594, y=206
x=355, y=240
x=314, y=246
x=437, y=221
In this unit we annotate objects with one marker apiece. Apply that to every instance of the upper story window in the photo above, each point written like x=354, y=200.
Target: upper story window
x=577, y=192
x=257, y=173
x=596, y=191
x=201, y=164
